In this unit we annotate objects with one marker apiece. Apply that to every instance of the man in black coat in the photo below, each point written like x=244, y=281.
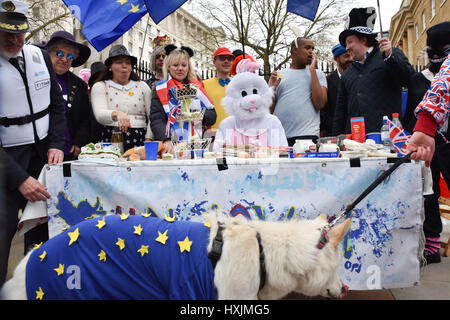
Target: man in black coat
x=372, y=86
x=31, y=125
x=66, y=53
x=343, y=61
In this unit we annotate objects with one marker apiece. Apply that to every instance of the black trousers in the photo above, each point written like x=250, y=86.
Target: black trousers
x=432, y=226
x=9, y=216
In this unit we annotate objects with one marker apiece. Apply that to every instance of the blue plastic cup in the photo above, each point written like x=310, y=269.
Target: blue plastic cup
x=151, y=150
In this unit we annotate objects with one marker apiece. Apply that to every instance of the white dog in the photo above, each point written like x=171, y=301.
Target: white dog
x=287, y=251
x=247, y=101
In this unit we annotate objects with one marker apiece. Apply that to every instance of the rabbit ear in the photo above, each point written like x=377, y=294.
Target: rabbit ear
x=246, y=65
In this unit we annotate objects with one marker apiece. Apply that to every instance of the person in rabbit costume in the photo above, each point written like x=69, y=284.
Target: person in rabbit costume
x=248, y=99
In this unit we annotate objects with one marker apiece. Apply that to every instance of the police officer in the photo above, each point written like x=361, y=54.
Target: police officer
x=32, y=122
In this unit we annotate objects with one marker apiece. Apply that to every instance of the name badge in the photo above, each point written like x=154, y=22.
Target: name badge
x=41, y=84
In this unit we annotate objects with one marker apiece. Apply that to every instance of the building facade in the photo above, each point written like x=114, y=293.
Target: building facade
x=409, y=25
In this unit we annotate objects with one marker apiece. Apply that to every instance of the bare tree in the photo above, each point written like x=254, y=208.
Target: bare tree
x=265, y=27
x=47, y=17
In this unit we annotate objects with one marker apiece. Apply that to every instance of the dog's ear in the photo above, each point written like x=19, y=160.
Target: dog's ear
x=337, y=233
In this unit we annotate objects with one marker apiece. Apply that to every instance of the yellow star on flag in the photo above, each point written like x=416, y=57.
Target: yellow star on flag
x=73, y=236
x=37, y=246
x=102, y=256
x=43, y=255
x=143, y=250
x=120, y=243
x=162, y=237
x=137, y=230
x=169, y=218
x=124, y=216
x=207, y=224
x=101, y=223
x=122, y=1
x=146, y=215
x=134, y=8
x=39, y=294
x=60, y=269
x=185, y=245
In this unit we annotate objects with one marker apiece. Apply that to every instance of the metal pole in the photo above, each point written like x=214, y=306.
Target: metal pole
x=379, y=16
x=242, y=29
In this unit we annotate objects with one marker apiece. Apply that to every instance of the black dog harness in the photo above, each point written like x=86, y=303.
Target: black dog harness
x=216, y=252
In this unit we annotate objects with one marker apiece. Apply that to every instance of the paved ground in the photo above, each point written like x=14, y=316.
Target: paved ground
x=434, y=285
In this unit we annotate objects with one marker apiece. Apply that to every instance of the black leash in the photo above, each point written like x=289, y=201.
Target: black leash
x=323, y=239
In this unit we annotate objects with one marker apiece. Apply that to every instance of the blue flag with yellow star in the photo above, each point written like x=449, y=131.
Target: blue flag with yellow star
x=159, y=9
x=304, y=8
x=104, y=20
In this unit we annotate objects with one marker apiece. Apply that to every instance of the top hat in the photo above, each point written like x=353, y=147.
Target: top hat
x=360, y=21
x=119, y=50
x=84, y=51
x=13, y=16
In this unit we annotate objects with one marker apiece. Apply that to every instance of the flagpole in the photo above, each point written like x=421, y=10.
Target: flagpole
x=379, y=16
x=242, y=29
x=145, y=37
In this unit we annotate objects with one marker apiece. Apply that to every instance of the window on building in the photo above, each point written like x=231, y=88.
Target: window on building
x=433, y=8
x=424, y=21
x=417, y=32
x=130, y=47
x=141, y=36
x=140, y=52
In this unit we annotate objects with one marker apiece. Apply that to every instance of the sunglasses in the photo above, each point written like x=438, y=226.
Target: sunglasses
x=69, y=57
x=223, y=58
x=160, y=56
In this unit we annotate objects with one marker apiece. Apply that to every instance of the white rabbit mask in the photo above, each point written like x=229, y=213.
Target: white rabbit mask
x=247, y=95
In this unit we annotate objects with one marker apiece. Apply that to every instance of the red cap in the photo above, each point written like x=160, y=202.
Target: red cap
x=223, y=51
x=395, y=115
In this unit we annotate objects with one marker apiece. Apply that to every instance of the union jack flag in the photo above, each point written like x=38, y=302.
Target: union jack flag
x=437, y=99
x=399, y=138
x=174, y=114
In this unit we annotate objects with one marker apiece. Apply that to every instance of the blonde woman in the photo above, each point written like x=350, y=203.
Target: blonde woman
x=178, y=73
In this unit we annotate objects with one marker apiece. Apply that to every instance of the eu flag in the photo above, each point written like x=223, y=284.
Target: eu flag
x=304, y=8
x=159, y=9
x=104, y=20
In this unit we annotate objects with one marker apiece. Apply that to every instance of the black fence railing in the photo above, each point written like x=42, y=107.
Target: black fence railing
x=142, y=68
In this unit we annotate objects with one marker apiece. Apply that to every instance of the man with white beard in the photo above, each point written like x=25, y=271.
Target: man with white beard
x=32, y=121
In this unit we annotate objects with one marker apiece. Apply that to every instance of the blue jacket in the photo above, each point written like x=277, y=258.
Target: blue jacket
x=114, y=262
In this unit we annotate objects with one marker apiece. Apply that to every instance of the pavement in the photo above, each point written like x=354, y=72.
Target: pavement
x=434, y=283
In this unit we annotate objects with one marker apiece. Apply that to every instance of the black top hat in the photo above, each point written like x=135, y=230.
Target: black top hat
x=119, y=51
x=13, y=17
x=360, y=21
x=84, y=51
x=438, y=35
